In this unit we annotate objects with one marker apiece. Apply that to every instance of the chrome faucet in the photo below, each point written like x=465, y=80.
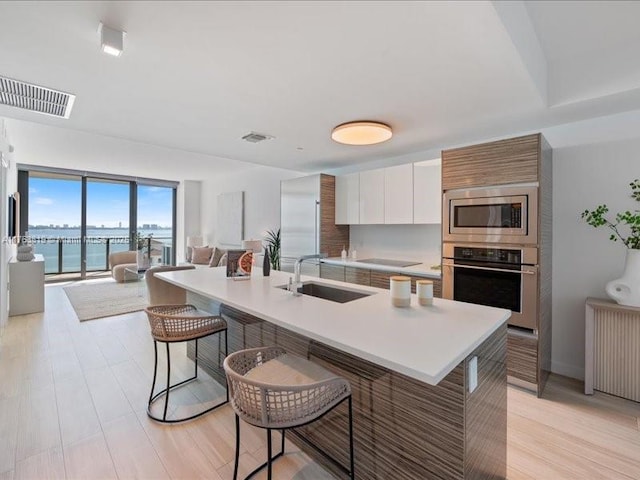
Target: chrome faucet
x=298, y=265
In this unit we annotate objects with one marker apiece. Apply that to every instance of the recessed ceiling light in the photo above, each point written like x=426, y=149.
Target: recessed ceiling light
x=111, y=40
x=361, y=133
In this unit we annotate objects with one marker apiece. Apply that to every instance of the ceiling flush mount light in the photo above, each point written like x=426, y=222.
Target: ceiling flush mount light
x=111, y=40
x=361, y=133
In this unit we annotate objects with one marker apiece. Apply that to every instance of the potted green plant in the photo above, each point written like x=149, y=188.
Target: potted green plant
x=625, y=227
x=272, y=240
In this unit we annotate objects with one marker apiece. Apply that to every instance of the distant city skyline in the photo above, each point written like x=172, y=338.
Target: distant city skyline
x=54, y=203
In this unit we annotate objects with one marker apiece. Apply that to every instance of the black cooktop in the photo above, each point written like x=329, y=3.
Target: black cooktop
x=389, y=263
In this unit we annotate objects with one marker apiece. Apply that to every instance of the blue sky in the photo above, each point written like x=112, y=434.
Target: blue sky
x=56, y=201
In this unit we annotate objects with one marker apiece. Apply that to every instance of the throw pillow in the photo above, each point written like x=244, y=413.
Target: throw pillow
x=201, y=255
x=190, y=253
x=223, y=261
x=216, y=256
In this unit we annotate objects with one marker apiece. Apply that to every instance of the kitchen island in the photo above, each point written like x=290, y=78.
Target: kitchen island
x=410, y=370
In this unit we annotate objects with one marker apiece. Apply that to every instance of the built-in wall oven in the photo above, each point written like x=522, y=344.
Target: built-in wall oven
x=491, y=215
x=493, y=275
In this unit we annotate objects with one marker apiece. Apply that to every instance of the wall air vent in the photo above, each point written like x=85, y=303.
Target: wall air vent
x=35, y=98
x=254, y=137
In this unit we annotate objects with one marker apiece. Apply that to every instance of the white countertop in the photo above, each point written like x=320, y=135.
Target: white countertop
x=421, y=270
x=425, y=343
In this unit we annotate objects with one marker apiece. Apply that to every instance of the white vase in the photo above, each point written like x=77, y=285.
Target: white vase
x=626, y=289
x=142, y=259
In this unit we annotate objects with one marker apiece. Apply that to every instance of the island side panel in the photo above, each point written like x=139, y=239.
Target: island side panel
x=486, y=411
x=404, y=428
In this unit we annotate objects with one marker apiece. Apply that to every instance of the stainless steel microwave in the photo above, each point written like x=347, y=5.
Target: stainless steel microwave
x=491, y=215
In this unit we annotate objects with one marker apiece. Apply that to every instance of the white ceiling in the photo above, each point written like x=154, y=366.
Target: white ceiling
x=198, y=76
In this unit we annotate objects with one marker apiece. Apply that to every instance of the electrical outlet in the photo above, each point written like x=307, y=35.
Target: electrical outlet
x=472, y=374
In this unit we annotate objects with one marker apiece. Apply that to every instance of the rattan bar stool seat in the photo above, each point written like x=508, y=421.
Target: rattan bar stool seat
x=180, y=323
x=272, y=389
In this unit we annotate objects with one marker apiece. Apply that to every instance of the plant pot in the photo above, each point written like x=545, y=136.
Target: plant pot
x=142, y=259
x=626, y=289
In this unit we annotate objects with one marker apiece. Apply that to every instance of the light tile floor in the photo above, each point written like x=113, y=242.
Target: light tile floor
x=73, y=398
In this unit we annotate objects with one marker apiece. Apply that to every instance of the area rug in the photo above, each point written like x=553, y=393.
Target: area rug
x=105, y=299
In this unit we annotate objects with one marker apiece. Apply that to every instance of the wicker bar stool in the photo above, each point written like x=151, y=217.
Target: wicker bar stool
x=180, y=323
x=274, y=390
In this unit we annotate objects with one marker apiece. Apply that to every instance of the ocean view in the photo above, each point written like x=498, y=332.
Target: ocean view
x=46, y=242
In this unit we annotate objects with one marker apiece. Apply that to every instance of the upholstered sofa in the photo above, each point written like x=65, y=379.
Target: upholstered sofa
x=206, y=257
x=119, y=261
x=165, y=293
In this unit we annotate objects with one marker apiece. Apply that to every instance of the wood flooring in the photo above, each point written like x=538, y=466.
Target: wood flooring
x=73, y=398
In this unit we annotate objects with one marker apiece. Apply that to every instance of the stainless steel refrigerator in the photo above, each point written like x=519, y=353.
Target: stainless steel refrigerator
x=300, y=222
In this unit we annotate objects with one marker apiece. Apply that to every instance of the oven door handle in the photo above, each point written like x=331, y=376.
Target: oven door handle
x=532, y=270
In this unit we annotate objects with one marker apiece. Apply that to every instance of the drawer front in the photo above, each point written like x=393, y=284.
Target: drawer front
x=359, y=276
x=381, y=279
x=522, y=357
x=332, y=272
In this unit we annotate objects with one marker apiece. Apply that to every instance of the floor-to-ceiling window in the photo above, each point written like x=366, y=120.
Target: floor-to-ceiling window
x=76, y=219
x=107, y=220
x=156, y=220
x=55, y=215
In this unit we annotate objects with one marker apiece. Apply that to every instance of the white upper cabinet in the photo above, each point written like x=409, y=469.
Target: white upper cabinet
x=404, y=194
x=427, y=192
x=348, y=199
x=372, y=196
x=398, y=194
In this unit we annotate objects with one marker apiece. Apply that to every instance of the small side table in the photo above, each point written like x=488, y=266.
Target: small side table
x=612, y=349
x=26, y=286
x=138, y=274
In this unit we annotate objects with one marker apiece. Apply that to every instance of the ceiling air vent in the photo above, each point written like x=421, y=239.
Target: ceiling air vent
x=34, y=98
x=254, y=137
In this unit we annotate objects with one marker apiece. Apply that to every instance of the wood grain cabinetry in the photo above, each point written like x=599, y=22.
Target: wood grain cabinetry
x=496, y=163
x=359, y=276
x=372, y=278
x=522, y=361
x=332, y=272
x=332, y=237
x=519, y=160
x=381, y=280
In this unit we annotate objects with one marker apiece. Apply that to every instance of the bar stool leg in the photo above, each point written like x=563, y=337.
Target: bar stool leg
x=166, y=398
x=226, y=354
x=195, y=362
x=268, y=454
x=155, y=370
x=235, y=465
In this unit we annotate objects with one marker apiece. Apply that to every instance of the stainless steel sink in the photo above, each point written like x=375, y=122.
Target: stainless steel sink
x=326, y=292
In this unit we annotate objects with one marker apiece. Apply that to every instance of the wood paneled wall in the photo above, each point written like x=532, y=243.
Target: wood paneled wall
x=403, y=428
x=514, y=160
